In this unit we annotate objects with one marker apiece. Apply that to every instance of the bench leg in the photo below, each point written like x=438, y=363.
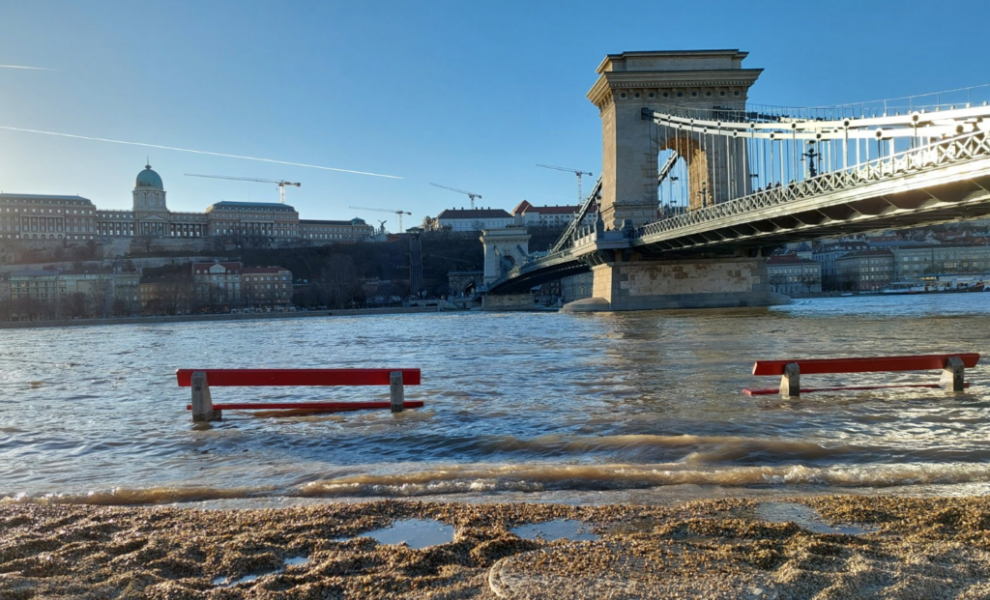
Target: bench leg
x=953, y=375
x=202, y=402
x=396, y=391
x=790, y=383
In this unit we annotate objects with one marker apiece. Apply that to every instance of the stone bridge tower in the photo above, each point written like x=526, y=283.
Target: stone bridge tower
x=504, y=249
x=627, y=83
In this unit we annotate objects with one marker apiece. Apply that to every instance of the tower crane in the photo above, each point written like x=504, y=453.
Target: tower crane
x=385, y=210
x=471, y=195
x=575, y=171
x=280, y=183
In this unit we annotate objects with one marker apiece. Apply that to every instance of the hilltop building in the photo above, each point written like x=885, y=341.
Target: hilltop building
x=39, y=221
x=551, y=216
x=474, y=219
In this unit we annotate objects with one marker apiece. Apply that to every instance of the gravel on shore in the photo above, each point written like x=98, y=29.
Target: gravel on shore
x=920, y=548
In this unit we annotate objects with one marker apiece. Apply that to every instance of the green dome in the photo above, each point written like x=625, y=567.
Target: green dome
x=149, y=179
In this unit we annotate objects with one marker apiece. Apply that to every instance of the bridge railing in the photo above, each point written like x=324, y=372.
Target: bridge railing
x=924, y=158
x=768, y=113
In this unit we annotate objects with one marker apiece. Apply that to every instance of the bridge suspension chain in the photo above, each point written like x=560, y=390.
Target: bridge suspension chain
x=730, y=154
x=572, y=227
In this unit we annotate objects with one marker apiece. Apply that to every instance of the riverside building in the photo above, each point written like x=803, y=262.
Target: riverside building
x=29, y=294
x=791, y=275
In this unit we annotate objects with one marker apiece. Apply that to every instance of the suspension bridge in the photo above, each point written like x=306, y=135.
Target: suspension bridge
x=697, y=183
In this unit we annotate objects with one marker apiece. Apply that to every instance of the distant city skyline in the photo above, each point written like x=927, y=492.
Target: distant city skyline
x=470, y=96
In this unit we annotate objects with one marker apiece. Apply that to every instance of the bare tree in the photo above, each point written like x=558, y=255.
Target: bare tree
x=121, y=307
x=27, y=308
x=75, y=305
x=809, y=281
x=777, y=282
x=338, y=279
x=101, y=294
x=177, y=296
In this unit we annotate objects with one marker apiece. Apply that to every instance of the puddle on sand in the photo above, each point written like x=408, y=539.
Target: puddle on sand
x=799, y=514
x=295, y=561
x=226, y=582
x=557, y=529
x=417, y=533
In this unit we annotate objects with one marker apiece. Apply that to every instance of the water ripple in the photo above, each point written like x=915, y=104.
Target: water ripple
x=514, y=402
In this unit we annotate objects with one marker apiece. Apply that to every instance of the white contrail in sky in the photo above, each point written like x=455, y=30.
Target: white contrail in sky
x=142, y=144
x=24, y=67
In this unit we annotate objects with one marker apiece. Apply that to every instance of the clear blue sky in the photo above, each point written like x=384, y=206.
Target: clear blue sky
x=463, y=93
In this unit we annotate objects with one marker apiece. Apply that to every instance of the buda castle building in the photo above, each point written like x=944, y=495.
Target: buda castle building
x=40, y=221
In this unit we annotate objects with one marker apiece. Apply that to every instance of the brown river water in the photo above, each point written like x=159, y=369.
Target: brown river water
x=534, y=406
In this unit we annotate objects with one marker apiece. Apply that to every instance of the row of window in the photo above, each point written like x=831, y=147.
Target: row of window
x=34, y=201
x=268, y=286
x=801, y=270
x=329, y=236
x=44, y=223
x=943, y=256
x=56, y=211
x=35, y=236
x=227, y=209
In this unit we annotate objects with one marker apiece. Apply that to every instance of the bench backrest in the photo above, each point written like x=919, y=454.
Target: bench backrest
x=275, y=377
x=864, y=365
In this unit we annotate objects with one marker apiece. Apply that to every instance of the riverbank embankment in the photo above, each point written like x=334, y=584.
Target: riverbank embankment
x=356, y=312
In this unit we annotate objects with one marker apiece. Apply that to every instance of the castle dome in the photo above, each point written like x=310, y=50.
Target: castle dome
x=149, y=179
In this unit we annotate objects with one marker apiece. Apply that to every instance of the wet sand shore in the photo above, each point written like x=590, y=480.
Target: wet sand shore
x=902, y=548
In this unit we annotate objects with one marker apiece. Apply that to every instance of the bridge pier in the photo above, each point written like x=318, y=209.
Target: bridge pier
x=692, y=283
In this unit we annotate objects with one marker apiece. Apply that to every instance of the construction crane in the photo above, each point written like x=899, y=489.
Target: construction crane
x=471, y=195
x=386, y=210
x=575, y=171
x=281, y=184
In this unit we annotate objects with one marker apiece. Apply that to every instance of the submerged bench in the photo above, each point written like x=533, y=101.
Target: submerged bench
x=952, y=365
x=201, y=380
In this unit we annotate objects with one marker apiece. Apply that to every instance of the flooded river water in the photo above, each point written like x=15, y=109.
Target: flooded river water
x=588, y=407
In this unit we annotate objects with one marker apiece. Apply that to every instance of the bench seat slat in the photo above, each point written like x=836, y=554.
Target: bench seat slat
x=864, y=365
x=323, y=406
x=300, y=377
x=855, y=388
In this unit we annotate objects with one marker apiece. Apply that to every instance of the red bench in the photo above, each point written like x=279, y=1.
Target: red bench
x=201, y=380
x=952, y=365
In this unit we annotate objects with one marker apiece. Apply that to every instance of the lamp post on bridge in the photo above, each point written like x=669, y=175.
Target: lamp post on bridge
x=811, y=154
